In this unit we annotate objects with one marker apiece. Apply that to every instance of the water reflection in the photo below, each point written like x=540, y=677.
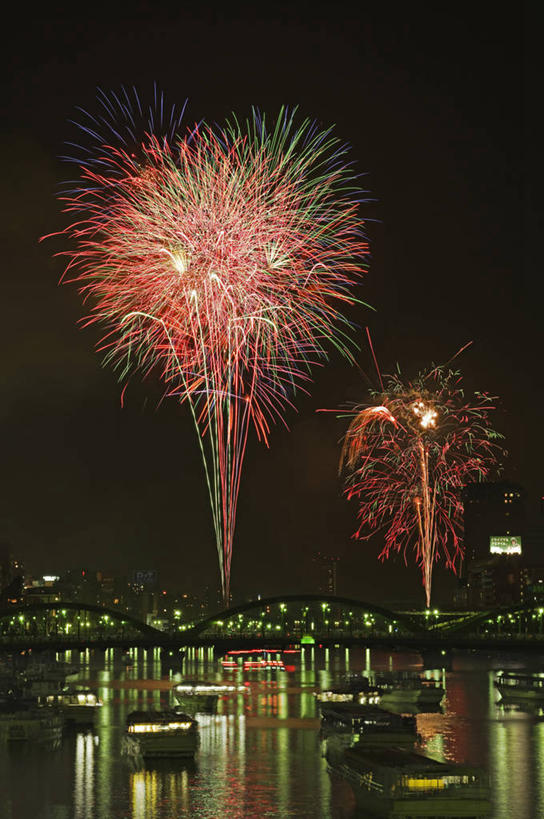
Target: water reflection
x=261, y=753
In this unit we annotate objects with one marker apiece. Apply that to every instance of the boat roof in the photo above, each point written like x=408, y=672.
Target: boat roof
x=403, y=760
x=158, y=716
x=354, y=709
x=514, y=675
x=204, y=683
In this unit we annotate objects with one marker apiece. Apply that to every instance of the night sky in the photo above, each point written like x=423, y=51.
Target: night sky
x=435, y=100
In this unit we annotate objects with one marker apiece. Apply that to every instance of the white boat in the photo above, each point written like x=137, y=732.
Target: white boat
x=161, y=734
x=399, y=784
x=513, y=686
x=203, y=696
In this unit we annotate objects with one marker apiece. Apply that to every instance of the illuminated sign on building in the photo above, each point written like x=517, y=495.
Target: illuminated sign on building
x=144, y=577
x=505, y=544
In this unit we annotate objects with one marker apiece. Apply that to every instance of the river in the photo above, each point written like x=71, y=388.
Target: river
x=261, y=755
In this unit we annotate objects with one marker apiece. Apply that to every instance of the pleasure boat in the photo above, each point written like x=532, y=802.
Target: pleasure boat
x=411, y=689
x=514, y=686
x=202, y=696
x=346, y=724
x=254, y=659
x=355, y=689
x=77, y=705
x=165, y=734
x=407, y=785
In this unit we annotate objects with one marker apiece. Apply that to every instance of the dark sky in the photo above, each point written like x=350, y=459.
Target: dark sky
x=437, y=102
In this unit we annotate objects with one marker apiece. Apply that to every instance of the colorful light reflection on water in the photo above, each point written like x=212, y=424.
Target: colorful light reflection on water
x=261, y=755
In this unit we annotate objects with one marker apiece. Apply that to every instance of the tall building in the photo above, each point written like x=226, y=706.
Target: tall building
x=11, y=575
x=494, y=520
x=326, y=573
x=496, y=538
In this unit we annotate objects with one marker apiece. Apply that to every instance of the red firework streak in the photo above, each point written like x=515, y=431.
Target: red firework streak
x=407, y=458
x=221, y=264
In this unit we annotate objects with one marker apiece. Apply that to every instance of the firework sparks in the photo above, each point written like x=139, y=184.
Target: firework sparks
x=406, y=459
x=221, y=261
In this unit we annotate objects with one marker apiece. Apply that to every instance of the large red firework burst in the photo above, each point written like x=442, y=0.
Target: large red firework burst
x=221, y=262
x=407, y=456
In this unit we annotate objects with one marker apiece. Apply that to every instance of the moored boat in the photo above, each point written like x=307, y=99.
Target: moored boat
x=368, y=719
x=514, y=686
x=345, y=725
x=405, y=784
x=78, y=705
x=410, y=689
x=162, y=734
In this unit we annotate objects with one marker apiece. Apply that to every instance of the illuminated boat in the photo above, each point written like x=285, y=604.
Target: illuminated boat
x=354, y=689
x=78, y=706
x=162, y=734
x=400, y=783
x=513, y=686
x=254, y=659
x=203, y=696
x=20, y=722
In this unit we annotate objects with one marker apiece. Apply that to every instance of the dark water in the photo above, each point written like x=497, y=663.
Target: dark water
x=261, y=755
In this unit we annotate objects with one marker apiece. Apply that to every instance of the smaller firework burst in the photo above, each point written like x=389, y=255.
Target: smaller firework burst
x=406, y=457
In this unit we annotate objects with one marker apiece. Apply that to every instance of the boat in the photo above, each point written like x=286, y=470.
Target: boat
x=166, y=734
x=254, y=659
x=24, y=722
x=392, y=782
x=354, y=689
x=514, y=686
x=202, y=696
x=409, y=689
x=347, y=724
x=77, y=705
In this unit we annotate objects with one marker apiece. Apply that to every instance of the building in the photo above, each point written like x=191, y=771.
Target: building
x=10, y=568
x=326, y=566
x=497, y=581
x=494, y=520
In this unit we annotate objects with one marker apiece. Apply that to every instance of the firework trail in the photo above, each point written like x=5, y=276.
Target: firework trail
x=407, y=456
x=221, y=260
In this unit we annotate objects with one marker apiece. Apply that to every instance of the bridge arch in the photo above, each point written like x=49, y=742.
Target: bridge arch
x=521, y=618
x=70, y=621
x=297, y=615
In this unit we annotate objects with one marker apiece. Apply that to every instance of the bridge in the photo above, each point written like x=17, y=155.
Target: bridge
x=307, y=619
